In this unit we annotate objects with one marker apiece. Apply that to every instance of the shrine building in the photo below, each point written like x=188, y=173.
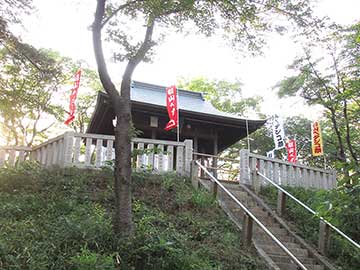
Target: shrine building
x=211, y=130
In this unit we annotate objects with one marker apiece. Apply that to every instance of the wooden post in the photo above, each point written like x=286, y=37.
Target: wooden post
x=281, y=203
x=98, y=151
x=88, y=151
x=109, y=149
x=256, y=183
x=68, y=148
x=11, y=160
x=244, y=167
x=202, y=173
x=276, y=173
x=214, y=188
x=55, y=153
x=247, y=230
x=180, y=160
x=2, y=156
x=170, y=156
x=140, y=158
x=214, y=159
x=194, y=175
x=324, y=236
x=188, y=156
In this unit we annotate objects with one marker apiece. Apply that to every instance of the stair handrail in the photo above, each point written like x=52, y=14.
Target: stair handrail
x=309, y=209
x=247, y=211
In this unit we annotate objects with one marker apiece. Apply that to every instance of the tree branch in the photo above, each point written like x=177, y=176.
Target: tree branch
x=139, y=56
x=121, y=7
x=98, y=51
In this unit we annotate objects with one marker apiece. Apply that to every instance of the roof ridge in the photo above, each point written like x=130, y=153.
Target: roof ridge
x=160, y=88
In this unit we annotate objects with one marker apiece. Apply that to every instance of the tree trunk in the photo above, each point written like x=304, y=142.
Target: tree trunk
x=122, y=220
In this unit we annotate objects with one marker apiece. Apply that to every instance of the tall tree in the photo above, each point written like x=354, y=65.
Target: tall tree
x=240, y=21
x=225, y=96
x=333, y=82
x=26, y=92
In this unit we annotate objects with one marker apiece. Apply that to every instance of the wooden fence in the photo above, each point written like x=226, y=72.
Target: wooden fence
x=94, y=150
x=283, y=173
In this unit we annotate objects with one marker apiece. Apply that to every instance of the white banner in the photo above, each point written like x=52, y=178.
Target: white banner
x=271, y=154
x=278, y=133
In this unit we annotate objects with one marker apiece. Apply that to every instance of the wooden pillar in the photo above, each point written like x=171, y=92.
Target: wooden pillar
x=188, y=156
x=324, y=236
x=194, y=174
x=153, y=133
x=216, y=151
x=195, y=146
x=202, y=173
x=247, y=230
x=281, y=203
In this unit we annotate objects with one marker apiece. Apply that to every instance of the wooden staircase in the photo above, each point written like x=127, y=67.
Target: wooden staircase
x=275, y=257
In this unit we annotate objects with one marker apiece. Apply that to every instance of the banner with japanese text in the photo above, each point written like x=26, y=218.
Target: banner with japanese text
x=291, y=151
x=73, y=95
x=316, y=140
x=278, y=133
x=172, y=107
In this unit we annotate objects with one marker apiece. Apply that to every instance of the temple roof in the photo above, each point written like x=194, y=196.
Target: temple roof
x=188, y=101
x=198, y=118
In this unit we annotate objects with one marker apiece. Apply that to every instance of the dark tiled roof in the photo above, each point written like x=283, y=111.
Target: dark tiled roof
x=188, y=100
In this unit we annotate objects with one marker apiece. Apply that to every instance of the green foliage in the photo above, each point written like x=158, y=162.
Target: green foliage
x=341, y=207
x=202, y=199
x=336, y=89
x=225, y=96
x=87, y=260
x=26, y=91
x=61, y=219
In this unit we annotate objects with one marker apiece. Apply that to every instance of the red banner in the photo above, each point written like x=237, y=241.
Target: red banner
x=172, y=107
x=73, y=95
x=291, y=149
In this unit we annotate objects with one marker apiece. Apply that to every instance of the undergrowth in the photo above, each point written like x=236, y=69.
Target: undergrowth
x=61, y=219
x=341, y=207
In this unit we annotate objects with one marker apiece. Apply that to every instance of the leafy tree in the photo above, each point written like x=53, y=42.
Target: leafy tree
x=225, y=96
x=333, y=82
x=242, y=22
x=26, y=92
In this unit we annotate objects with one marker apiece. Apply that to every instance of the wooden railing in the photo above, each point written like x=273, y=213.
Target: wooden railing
x=13, y=154
x=94, y=150
x=223, y=168
x=283, y=173
x=249, y=217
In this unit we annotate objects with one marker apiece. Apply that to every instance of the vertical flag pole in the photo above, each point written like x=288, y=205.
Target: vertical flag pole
x=247, y=134
x=178, y=115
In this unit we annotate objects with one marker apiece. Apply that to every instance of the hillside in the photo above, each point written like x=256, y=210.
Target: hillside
x=61, y=219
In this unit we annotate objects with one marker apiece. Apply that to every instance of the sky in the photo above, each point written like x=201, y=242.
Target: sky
x=64, y=26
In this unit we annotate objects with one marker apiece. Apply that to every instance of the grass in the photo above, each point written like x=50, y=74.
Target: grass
x=61, y=219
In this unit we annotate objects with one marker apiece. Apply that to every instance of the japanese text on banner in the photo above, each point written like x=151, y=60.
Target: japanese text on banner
x=172, y=107
x=73, y=95
x=291, y=150
x=278, y=133
x=316, y=140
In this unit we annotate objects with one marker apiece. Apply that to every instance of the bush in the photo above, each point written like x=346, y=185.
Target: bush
x=87, y=260
x=61, y=219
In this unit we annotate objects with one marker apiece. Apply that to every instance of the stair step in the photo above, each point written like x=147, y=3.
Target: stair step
x=292, y=266
x=261, y=237
x=286, y=259
x=277, y=231
x=274, y=249
x=271, y=242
